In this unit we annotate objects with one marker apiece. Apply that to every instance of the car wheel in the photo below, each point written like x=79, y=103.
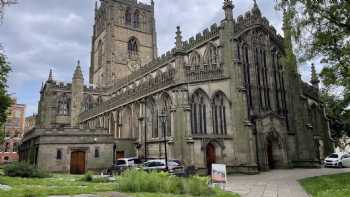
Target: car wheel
x=340, y=165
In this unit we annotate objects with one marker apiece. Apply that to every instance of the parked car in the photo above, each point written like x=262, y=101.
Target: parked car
x=338, y=160
x=159, y=165
x=346, y=161
x=123, y=164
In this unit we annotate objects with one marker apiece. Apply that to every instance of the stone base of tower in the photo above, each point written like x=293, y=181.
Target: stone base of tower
x=307, y=164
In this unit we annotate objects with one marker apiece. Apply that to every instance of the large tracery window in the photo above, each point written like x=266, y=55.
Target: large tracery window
x=63, y=105
x=279, y=83
x=136, y=21
x=127, y=17
x=132, y=47
x=219, y=114
x=199, y=113
x=166, y=108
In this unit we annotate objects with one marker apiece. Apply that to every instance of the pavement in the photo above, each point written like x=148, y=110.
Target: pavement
x=276, y=183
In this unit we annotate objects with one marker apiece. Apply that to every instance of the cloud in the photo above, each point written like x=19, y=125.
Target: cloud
x=43, y=34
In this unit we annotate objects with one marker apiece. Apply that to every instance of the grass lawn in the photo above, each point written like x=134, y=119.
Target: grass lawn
x=56, y=185
x=62, y=184
x=328, y=186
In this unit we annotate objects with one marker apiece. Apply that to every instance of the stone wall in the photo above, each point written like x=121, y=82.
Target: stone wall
x=47, y=156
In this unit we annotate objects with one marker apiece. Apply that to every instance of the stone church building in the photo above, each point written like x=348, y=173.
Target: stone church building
x=227, y=96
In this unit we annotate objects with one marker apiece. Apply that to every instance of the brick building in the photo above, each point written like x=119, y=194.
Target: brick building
x=14, y=130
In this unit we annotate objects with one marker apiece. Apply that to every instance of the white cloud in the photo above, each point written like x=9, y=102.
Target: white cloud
x=39, y=34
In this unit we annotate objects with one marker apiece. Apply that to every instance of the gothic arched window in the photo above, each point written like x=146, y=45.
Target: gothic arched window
x=211, y=56
x=87, y=103
x=132, y=47
x=97, y=152
x=127, y=17
x=63, y=105
x=195, y=61
x=136, y=19
x=59, y=154
x=166, y=108
x=219, y=114
x=127, y=123
x=152, y=118
x=99, y=100
x=199, y=112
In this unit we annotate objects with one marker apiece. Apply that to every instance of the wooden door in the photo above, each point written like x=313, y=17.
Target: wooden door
x=211, y=157
x=77, y=162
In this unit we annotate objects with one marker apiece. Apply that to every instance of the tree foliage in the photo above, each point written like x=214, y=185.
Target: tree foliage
x=4, y=3
x=338, y=114
x=321, y=29
x=5, y=100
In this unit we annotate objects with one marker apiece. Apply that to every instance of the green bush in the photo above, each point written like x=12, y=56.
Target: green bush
x=197, y=186
x=88, y=177
x=22, y=169
x=139, y=181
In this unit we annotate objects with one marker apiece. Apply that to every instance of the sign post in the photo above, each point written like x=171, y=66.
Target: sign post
x=218, y=175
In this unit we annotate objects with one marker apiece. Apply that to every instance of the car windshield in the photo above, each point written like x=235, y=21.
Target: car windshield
x=121, y=162
x=333, y=156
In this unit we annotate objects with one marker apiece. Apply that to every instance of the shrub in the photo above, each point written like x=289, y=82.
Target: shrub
x=22, y=169
x=88, y=177
x=139, y=181
x=197, y=186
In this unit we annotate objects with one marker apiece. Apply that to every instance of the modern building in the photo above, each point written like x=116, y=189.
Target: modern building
x=227, y=94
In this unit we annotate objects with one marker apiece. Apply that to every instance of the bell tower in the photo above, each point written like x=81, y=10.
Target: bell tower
x=124, y=38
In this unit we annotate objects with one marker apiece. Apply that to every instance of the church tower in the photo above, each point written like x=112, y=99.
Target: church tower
x=124, y=38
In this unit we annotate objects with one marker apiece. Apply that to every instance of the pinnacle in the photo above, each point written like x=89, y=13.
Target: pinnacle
x=314, y=77
x=78, y=74
x=50, y=76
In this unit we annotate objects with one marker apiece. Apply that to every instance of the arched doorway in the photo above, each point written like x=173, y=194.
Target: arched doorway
x=211, y=156
x=77, y=162
x=275, y=152
x=270, y=158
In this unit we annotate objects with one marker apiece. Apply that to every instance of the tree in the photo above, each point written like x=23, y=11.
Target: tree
x=338, y=114
x=5, y=100
x=4, y=3
x=321, y=29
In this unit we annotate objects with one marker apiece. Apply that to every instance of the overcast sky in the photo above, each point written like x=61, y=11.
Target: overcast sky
x=41, y=34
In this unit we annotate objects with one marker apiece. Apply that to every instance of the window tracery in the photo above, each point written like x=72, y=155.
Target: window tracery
x=132, y=47
x=64, y=105
x=199, y=113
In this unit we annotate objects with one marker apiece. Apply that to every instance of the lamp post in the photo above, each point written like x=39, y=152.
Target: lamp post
x=163, y=118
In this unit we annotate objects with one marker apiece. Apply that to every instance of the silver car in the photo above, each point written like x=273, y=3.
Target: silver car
x=338, y=160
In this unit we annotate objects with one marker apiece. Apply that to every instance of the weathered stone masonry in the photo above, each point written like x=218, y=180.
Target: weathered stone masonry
x=227, y=93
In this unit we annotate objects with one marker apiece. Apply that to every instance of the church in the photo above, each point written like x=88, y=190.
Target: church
x=226, y=95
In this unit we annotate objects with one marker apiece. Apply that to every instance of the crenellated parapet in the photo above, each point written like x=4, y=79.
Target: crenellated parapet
x=201, y=38
x=147, y=69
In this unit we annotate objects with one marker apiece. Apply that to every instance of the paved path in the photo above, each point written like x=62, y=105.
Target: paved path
x=277, y=183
